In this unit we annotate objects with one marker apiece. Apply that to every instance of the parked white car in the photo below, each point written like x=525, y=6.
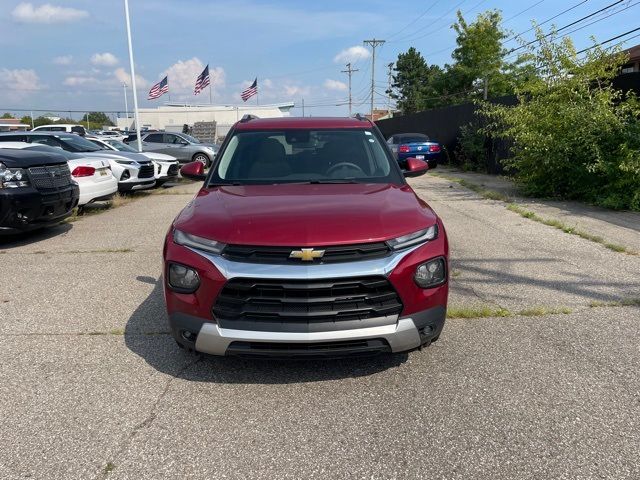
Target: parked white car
x=62, y=127
x=132, y=170
x=93, y=175
x=110, y=134
x=167, y=167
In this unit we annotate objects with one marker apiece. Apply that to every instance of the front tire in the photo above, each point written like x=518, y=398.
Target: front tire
x=202, y=158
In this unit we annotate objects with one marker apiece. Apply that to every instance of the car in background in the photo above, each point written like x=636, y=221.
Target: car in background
x=36, y=190
x=93, y=175
x=179, y=145
x=414, y=145
x=62, y=127
x=305, y=240
x=112, y=134
x=166, y=166
x=132, y=170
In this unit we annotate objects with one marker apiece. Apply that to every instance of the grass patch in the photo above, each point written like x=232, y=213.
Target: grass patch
x=477, y=312
x=479, y=189
x=455, y=273
x=552, y=222
x=541, y=311
x=117, y=201
x=625, y=302
x=108, y=468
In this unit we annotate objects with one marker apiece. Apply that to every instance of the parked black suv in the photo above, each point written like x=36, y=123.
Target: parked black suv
x=36, y=190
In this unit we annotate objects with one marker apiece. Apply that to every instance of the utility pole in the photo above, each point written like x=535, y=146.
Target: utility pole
x=303, y=107
x=486, y=87
x=349, y=71
x=390, y=65
x=373, y=44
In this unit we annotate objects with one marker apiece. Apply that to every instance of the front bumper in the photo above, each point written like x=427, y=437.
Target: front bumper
x=407, y=333
x=129, y=186
x=24, y=209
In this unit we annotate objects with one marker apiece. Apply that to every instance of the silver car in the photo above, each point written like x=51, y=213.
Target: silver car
x=179, y=145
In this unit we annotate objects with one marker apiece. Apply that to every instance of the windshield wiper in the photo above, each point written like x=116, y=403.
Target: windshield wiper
x=341, y=180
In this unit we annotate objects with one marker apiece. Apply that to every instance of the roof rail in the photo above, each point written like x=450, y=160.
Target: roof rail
x=248, y=117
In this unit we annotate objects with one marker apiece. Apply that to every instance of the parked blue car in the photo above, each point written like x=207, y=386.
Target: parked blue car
x=417, y=145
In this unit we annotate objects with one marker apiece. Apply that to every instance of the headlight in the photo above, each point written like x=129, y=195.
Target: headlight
x=183, y=279
x=432, y=273
x=199, y=243
x=12, y=177
x=415, y=238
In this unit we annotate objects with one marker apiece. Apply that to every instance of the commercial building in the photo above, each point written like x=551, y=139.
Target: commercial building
x=174, y=116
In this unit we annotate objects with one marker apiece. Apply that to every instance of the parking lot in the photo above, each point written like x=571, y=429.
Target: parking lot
x=92, y=385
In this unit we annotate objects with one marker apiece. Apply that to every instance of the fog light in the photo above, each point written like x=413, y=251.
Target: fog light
x=183, y=279
x=432, y=273
x=126, y=175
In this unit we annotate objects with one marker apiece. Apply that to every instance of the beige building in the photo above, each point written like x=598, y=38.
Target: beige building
x=174, y=116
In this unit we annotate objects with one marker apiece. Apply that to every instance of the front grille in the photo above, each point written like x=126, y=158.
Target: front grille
x=281, y=255
x=51, y=177
x=306, y=305
x=146, y=171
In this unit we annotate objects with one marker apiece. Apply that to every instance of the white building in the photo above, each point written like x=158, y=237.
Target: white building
x=173, y=116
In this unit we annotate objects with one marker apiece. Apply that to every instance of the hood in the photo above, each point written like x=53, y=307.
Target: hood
x=159, y=157
x=116, y=155
x=26, y=157
x=305, y=215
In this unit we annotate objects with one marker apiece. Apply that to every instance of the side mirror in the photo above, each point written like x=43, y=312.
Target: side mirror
x=415, y=167
x=193, y=170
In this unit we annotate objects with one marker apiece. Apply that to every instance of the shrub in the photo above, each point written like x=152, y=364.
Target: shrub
x=573, y=135
x=471, y=152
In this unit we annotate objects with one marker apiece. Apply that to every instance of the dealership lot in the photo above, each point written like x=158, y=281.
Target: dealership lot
x=92, y=386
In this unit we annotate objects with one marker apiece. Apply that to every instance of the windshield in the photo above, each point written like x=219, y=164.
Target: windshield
x=123, y=147
x=305, y=156
x=78, y=144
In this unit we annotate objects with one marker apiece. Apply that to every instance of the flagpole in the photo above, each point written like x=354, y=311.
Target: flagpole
x=210, y=82
x=257, y=94
x=168, y=89
x=133, y=74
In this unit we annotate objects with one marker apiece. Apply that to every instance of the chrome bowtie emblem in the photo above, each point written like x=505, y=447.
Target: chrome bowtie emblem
x=419, y=148
x=307, y=254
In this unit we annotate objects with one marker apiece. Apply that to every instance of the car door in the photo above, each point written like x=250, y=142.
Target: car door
x=177, y=147
x=153, y=142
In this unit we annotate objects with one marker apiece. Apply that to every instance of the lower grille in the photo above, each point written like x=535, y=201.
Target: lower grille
x=307, y=305
x=281, y=255
x=173, y=170
x=146, y=171
x=322, y=349
x=50, y=177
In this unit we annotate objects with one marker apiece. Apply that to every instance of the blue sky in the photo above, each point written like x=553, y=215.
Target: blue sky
x=72, y=55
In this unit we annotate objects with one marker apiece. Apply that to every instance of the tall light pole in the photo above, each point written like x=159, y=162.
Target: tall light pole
x=390, y=66
x=373, y=44
x=126, y=104
x=349, y=71
x=133, y=75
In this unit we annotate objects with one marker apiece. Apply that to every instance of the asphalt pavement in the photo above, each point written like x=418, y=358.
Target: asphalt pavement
x=93, y=387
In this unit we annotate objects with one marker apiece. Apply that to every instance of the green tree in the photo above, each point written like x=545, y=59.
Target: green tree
x=99, y=118
x=479, y=57
x=415, y=82
x=7, y=115
x=26, y=120
x=572, y=134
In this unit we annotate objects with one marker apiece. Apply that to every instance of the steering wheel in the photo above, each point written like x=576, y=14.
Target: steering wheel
x=345, y=165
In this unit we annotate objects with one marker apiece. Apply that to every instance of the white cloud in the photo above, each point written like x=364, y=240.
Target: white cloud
x=106, y=59
x=76, y=81
x=330, y=84
x=20, y=80
x=123, y=76
x=63, y=60
x=352, y=54
x=183, y=75
x=47, y=13
x=296, y=91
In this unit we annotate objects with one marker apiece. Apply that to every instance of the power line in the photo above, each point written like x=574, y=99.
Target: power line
x=569, y=25
x=408, y=37
x=415, y=19
x=610, y=40
x=548, y=20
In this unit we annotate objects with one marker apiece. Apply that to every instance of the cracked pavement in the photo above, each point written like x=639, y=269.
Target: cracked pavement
x=91, y=386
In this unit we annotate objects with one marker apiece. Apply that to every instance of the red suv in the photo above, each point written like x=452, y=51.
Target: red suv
x=305, y=240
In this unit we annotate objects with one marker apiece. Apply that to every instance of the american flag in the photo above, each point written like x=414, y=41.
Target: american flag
x=159, y=89
x=251, y=91
x=202, y=81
